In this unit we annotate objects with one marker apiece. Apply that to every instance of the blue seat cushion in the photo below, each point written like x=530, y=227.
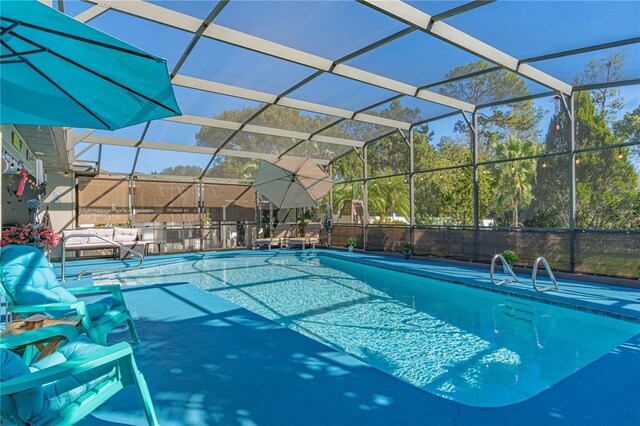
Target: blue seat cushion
x=61, y=393
x=31, y=405
x=98, y=309
x=28, y=277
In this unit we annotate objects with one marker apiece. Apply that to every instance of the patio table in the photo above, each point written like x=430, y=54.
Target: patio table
x=46, y=346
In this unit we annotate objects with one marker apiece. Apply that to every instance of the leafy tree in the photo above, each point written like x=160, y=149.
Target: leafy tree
x=606, y=69
x=387, y=196
x=498, y=122
x=343, y=194
x=514, y=180
x=180, y=171
x=628, y=130
x=606, y=186
x=551, y=194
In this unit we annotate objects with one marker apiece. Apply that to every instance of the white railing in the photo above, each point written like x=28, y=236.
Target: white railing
x=534, y=275
x=91, y=271
x=506, y=267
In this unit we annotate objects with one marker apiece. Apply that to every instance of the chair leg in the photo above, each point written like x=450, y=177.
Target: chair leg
x=134, y=333
x=143, y=390
x=145, y=397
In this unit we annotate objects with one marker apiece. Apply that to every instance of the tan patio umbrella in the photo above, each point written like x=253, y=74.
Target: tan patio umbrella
x=292, y=182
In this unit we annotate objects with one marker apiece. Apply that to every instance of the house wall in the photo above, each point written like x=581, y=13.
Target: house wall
x=61, y=207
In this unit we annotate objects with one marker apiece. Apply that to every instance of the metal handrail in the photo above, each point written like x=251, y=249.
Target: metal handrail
x=535, y=274
x=505, y=264
x=117, y=244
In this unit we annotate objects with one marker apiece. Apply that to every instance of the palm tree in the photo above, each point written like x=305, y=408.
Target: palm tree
x=343, y=195
x=514, y=180
x=388, y=196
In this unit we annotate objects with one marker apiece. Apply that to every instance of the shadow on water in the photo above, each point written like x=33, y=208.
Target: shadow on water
x=209, y=362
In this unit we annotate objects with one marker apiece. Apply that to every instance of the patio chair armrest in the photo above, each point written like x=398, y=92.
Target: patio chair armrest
x=78, y=306
x=114, y=289
x=68, y=368
x=63, y=330
x=83, y=282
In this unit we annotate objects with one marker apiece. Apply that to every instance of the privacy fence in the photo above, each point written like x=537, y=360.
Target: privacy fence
x=611, y=253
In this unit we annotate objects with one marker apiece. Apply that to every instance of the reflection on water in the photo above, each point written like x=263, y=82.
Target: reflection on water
x=475, y=347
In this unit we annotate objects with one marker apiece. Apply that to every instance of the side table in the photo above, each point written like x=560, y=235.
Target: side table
x=46, y=346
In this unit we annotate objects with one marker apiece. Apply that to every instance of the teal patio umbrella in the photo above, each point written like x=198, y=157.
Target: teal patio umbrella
x=56, y=71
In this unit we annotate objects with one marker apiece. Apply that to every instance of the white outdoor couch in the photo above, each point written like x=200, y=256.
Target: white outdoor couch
x=126, y=236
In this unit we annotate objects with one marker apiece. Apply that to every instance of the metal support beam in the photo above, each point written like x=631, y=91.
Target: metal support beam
x=91, y=13
x=473, y=126
x=86, y=148
x=410, y=15
x=412, y=211
x=223, y=144
x=461, y=9
x=572, y=181
x=103, y=140
x=99, y=158
x=132, y=217
x=198, y=34
x=365, y=196
x=263, y=130
x=135, y=161
x=269, y=98
x=330, y=166
x=188, y=23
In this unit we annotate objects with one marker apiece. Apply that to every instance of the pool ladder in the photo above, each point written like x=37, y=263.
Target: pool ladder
x=534, y=275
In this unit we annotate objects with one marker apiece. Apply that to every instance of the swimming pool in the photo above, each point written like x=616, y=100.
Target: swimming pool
x=475, y=347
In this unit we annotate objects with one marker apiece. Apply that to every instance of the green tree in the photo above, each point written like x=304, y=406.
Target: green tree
x=607, y=187
x=343, y=194
x=605, y=69
x=180, y=171
x=499, y=122
x=387, y=196
x=551, y=194
x=628, y=130
x=514, y=180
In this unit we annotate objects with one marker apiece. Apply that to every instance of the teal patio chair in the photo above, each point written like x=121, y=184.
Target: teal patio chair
x=29, y=285
x=69, y=384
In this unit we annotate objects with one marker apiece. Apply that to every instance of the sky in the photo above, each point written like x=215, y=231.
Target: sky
x=333, y=29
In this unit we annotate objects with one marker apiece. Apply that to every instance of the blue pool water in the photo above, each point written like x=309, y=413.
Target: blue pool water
x=475, y=347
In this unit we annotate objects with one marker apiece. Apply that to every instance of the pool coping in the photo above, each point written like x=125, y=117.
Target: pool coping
x=424, y=268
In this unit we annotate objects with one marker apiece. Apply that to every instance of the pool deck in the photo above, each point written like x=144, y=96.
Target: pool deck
x=208, y=361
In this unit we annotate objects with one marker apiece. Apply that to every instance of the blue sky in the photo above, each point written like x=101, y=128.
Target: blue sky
x=332, y=29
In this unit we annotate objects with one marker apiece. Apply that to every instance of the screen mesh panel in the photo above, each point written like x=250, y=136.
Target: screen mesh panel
x=166, y=201
x=103, y=201
x=229, y=202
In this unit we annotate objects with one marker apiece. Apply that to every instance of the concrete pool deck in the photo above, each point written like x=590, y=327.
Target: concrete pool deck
x=208, y=361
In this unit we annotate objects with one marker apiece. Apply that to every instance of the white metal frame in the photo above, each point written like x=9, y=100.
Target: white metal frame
x=415, y=19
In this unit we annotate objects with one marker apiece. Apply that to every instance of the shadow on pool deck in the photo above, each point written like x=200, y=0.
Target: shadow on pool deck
x=208, y=361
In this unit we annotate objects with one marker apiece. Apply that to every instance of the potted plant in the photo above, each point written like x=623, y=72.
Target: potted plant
x=407, y=249
x=352, y=241
x=510, y=257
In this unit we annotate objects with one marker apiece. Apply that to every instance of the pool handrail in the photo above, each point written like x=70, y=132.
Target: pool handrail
x=534, y=275
x=92, y=271
x=506, y=266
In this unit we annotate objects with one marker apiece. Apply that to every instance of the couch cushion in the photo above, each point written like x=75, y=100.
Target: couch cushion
x=103, y=232
x=92, y=246
x=28, y=277
x=31, y=405
x=73, y=241
x=125, y=235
